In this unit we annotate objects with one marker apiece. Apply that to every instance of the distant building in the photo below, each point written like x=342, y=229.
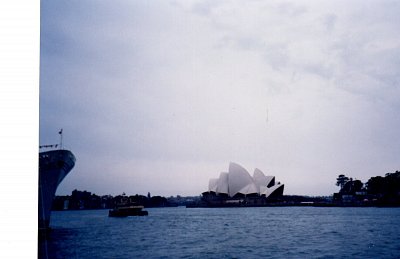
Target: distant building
x=238, y=186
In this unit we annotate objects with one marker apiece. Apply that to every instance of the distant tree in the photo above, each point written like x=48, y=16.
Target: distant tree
x=351, y=187
x=158, y=201
x=393, y=183
x=342, y=180
x=357, y=185
x=388, y=185
x=376, y=185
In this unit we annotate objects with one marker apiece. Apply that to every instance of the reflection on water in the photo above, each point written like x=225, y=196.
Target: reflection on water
x=273, y=232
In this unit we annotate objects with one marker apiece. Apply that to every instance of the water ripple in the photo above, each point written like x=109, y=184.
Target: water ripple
x=273, y=232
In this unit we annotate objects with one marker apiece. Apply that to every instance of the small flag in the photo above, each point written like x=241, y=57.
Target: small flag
x=60, y=132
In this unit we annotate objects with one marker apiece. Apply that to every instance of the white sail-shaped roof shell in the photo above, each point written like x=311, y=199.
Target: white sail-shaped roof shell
x=270, y=181
x=259, y=179
x=212, y=185
x=268, y=191
x=251, y=188
x=239, y=180
x=263, y=190
x=222, y=185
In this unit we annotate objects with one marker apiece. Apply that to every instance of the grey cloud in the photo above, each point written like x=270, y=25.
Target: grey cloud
x=291, y=9
x=154, y=91
x=330, y=21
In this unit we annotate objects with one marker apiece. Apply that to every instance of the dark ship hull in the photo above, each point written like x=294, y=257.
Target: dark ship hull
x=54, y=165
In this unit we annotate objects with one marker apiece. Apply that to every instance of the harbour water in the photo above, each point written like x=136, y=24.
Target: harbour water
x=266, y=232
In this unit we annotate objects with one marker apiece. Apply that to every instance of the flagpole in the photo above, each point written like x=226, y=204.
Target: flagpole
x=61, y=138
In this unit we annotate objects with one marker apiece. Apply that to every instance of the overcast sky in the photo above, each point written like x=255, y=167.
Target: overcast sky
x=159, y=96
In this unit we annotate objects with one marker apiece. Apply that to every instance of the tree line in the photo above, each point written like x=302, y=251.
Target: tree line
x=79, y=200
x=381, y=190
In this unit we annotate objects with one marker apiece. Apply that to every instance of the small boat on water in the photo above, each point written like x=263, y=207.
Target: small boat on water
x=126, y=210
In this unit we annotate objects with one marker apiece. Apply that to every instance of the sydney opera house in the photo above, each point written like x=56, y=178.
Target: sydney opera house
x=238, y=187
